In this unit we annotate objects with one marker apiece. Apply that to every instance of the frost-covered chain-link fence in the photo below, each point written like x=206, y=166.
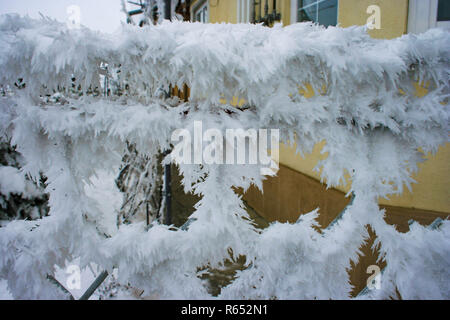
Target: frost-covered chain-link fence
x=366, y=112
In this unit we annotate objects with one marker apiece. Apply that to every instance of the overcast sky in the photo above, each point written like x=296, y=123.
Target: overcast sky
x=103, y=15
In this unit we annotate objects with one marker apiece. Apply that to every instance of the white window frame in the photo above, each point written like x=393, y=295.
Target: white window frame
x=295, y=9
x=200, y=5
x=244, y=11
x=422, y=16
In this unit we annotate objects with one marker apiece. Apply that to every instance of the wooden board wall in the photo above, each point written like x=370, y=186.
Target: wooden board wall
x=291, y=194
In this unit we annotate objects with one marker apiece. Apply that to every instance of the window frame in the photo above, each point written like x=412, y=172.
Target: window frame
x=423, y=15
x=197, y=7
x=244, y=11
x=295, y=9
x=441, y=24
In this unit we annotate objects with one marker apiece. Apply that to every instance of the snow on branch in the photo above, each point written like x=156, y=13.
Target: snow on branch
x=365, y=108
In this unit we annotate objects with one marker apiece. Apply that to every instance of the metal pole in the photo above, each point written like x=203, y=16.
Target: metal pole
x=147, y=213
x=253, y=17
x=168, y=194
x=167, y=10
x=53, y=280
x=94, y=286
x=260, y=10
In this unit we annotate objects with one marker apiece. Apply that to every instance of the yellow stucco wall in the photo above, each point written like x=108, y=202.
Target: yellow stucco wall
x=222, y=11
x=394, y=16
x=283, y=7
x=226, y=10
x=432, y=189
x=431, y=192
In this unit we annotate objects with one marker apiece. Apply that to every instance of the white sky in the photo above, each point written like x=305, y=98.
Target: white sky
x=102, y=15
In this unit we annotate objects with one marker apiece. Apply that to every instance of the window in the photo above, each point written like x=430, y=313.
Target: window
x=323, y=12
x=443, y=11
x=244, y=8
x=200, y=13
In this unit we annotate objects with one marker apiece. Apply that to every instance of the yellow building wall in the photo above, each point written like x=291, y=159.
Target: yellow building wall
x=225, y=11
x=222, y=11
x=283, y=7
x=431, y=192
x=394, y=16
x=219, y=10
